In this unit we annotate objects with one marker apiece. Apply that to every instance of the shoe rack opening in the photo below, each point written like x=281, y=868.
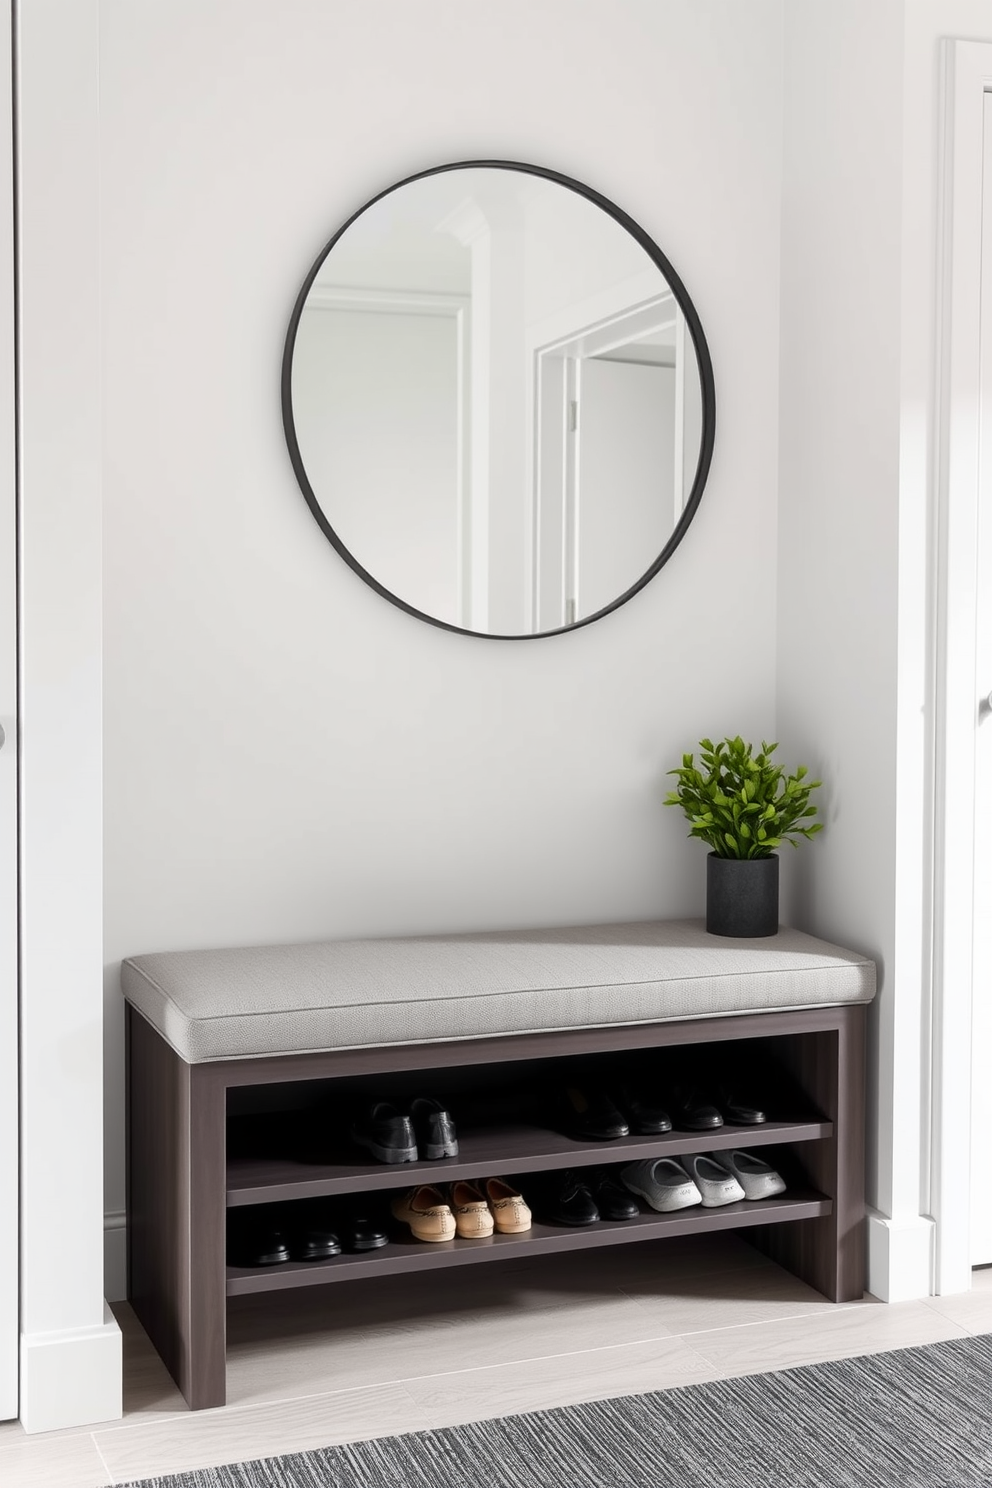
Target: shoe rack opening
x=299, y=1133
x=362, y=1234
x=753, y=1065
x=804, y=1066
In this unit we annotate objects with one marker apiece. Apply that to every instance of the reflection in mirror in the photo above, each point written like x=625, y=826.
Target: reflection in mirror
x=494, y=400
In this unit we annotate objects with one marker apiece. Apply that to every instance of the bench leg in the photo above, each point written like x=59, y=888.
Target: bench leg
x=829, y=1253
x=176, y=1211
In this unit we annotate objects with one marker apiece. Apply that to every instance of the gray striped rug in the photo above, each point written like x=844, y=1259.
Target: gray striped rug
x=914, y=1418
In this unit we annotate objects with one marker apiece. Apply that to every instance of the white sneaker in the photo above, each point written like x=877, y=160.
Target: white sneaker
x=716, y=1184
x=661, y=1182
x=758, y=1179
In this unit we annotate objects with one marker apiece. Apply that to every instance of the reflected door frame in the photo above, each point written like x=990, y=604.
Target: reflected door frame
x=557, y=379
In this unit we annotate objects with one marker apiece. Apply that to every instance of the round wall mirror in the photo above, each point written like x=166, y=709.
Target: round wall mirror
x=498, y=400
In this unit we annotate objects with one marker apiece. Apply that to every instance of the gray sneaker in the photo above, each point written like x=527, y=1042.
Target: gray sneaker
x=757, y=1178
x=717, y=1184
x=661, y=1182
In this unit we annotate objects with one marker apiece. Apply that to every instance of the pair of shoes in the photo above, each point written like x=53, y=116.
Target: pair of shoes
x=696, y=1108
x=426, y=1131
x=644, y=1115
x=572, y=1198
x=711, y=1179
x=592, y=1115
x=325, y=1229
x=603, y=1116
x=466, y=1210
x=263, y=1236
x=667, y=1184
x=495, y=1206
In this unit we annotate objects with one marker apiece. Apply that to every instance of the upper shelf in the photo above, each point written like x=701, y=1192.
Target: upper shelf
x=486, y=1151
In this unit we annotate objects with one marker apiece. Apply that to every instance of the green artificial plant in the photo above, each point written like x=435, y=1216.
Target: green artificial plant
x=741, y=803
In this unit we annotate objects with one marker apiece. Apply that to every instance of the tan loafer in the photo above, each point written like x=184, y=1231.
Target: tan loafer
x=473, y=1218
x=424, y=1209
x=510, y=1214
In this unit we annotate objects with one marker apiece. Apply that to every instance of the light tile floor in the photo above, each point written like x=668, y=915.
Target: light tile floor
x=342, y=1363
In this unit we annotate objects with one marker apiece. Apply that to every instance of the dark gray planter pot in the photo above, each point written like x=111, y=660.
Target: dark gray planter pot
x=742, y=896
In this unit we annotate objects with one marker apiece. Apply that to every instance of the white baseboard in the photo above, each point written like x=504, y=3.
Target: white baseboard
x=115, y=1257
x=71, y=1378
x=900, y=1257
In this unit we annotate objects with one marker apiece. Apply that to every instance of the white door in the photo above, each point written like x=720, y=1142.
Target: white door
x=9, y=1217
x=624, y=478
x=981, y=1124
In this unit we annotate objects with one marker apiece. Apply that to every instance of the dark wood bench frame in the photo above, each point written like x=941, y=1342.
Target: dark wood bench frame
x=179, y=1186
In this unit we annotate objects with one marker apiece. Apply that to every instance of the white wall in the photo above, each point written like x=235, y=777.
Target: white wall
x=839, y=529
x=287, y=755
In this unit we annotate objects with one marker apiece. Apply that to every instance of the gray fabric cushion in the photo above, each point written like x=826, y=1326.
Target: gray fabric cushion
x=234, y=1004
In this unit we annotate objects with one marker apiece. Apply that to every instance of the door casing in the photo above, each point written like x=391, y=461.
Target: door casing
x=959, y=477
x=9, y=1102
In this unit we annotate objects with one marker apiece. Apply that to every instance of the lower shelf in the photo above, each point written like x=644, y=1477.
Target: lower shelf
x=541, y=1239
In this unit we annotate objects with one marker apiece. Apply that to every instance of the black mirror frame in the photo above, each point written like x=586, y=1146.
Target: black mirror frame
x=707, y=388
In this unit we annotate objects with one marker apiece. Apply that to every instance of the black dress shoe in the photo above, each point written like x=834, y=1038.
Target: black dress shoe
x=434, y=1128
x=314, y=1242
x=566, y=1200
x=741, y=1107
x=642, y=1111
x=592, y=1114
x=255, y=1239
x=611, y=1198
x=387, y=1133
x=691, y=1111
x=359, y=1231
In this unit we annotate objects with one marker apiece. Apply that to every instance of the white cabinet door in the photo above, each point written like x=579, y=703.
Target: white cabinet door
x=981, y=1123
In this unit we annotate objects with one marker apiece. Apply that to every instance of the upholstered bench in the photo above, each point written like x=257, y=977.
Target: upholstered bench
x=209, y=1031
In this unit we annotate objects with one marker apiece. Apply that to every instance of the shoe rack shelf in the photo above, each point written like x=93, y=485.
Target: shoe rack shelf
x=541, y=1239
x=184, y=1173
x=511, y=1147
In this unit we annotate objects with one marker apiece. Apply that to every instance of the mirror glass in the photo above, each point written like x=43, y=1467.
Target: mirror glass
x=498, y=400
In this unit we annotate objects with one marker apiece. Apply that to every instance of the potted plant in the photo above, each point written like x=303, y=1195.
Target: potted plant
x=744, y=806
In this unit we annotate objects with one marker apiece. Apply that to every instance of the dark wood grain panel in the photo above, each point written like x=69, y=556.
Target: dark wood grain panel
x=176, y=1211
x=829, y=1252
x=206, y=1368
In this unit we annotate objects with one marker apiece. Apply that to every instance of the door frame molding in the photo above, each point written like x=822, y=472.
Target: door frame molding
x=9, y=713
x=967, y=79
x=555, y=373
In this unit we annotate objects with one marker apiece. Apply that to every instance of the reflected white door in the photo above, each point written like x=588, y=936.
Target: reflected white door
x=9, y=1215
x=981, y=1123
x=624, y=479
